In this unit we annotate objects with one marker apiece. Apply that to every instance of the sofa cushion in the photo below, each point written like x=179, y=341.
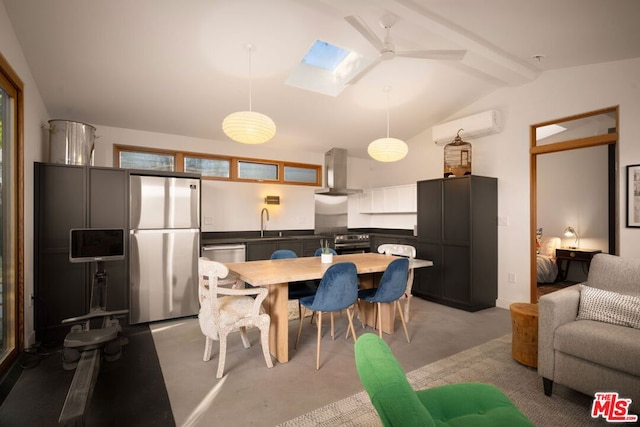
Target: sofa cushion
x=615, y=273
x=609, y=307
x=613, y=346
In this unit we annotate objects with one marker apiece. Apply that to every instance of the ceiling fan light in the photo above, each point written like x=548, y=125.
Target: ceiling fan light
x=249, y=127
x=388, y=149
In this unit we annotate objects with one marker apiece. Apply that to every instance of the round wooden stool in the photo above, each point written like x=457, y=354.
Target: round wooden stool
x=524, y=325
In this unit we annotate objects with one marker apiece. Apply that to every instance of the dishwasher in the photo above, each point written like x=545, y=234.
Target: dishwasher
x=222, y=253
x=225, y=253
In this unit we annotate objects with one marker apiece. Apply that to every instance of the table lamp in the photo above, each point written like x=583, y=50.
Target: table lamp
x=571, y=232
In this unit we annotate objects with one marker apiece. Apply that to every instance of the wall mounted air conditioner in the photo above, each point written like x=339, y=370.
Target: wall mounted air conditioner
x=474, y=126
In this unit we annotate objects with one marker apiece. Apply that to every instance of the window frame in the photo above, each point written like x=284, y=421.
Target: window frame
x=234, y=161
x=13, y=85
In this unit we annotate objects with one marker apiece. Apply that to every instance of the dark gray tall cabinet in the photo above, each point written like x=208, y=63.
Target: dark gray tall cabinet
x=457, y=230
x=69, y=197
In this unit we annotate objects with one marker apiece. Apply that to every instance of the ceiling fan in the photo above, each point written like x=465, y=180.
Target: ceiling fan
x=387, y=48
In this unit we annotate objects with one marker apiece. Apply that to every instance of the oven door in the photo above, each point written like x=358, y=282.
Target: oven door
x=359, y=248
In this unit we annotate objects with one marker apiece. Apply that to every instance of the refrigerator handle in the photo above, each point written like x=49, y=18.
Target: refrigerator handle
x=195, y=204
x=168, y=273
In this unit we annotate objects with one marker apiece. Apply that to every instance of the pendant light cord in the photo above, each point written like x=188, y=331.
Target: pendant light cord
x=387, y=89
x=250, y=47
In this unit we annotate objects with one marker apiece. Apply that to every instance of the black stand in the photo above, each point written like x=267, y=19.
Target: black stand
x=83, y=348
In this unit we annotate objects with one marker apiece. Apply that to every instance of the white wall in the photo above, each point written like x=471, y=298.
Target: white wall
x=35, y=116
x=553, y=95
x=236, y=206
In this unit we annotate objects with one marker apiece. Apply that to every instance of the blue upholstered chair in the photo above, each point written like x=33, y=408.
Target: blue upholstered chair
x=391, y=288
x=283, y=253
x=319, y=252
x=297, y=290
x=338, y=290
x=405, y=251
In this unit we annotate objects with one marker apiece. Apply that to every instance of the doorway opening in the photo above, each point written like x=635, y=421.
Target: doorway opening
x=598, y=131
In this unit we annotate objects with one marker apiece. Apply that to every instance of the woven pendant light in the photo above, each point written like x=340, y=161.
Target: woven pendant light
x=249, y=127
x=387, y=149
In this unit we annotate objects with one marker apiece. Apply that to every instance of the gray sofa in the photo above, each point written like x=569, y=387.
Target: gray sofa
x=587, y=355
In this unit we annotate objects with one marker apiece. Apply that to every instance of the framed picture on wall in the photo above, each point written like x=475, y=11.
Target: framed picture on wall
x=633, y=196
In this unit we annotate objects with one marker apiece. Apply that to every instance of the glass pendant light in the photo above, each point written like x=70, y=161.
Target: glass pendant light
x=387, y=149
x=249, y=127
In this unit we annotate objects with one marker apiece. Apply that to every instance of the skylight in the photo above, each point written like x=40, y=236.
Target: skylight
x=327, y=68
x=546, y=131
x=325, y=55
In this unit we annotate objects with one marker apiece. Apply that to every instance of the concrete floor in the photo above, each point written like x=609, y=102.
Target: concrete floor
x=251, y=394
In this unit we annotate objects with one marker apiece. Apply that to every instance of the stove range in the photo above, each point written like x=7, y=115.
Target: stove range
x=352, y=243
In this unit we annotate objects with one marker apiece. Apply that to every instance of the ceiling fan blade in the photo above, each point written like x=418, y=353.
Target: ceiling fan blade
x=364, y=71
x=361, y=26
x=452, y=55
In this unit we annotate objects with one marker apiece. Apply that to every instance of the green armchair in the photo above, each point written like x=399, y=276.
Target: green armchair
x=397, y=404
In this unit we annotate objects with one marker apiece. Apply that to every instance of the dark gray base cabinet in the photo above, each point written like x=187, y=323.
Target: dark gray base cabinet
x=263, y=250
x=69, y=197
x=302, y=247
x=457, y=230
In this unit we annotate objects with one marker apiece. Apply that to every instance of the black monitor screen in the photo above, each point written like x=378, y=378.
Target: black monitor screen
x=95, y=244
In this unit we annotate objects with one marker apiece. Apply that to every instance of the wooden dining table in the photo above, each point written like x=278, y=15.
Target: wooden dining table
x=276, y=275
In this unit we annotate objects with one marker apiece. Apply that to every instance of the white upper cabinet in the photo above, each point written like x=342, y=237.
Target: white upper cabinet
x=389, y=200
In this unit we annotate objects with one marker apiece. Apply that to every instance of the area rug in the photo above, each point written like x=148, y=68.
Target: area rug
x=490, y=363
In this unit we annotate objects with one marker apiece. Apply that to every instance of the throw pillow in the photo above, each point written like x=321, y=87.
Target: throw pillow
x=548, y=246
x=609, y=307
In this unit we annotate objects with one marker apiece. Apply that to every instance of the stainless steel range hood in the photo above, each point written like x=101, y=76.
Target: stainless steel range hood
x=335, y=174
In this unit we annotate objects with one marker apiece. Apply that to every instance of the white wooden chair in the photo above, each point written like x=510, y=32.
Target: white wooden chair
x=406, y=251
x=224, y=310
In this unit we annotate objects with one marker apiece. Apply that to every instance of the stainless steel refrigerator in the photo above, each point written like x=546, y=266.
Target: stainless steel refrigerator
x=164, y=245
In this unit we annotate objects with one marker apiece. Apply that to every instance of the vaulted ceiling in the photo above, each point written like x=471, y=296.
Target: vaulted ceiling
x=180, y=67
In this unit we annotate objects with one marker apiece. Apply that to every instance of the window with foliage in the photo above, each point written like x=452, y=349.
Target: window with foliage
x=218, y=167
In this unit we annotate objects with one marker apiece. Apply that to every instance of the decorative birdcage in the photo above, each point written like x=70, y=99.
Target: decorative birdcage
x=457, y=157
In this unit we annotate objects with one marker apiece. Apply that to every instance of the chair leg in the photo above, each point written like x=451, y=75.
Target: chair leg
x=304, y=311
x=404, y=324
x=353, y=330
x=361, y=312
x=208, y=345
x=319, y=336
x=356, y=312
x=299, y=311
x=333, y=331
x=223, y=354
x=406, y=308
x=264, y=341
x=245, y=338
x=379, y=318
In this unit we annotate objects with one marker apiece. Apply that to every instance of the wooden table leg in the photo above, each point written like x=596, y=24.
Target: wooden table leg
x=278, y=308
x=388, y=317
